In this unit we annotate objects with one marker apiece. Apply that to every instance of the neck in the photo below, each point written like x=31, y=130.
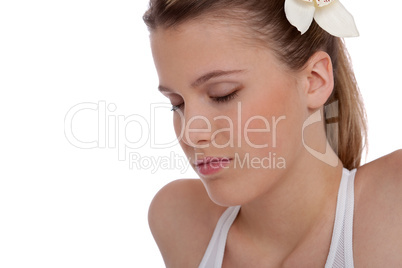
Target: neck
x=303, y=201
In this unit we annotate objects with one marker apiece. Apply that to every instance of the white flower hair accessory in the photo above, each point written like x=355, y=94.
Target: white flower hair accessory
x=331, y=15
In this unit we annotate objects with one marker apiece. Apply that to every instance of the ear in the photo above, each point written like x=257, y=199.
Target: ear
x=320, y=79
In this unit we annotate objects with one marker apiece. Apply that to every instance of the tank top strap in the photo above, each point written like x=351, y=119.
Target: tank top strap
x=214, y=254
x=341, y=248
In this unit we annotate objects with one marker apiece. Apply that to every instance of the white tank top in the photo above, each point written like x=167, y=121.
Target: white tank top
x=341, y=250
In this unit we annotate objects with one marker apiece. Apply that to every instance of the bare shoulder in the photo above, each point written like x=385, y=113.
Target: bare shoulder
x=378, y=212
x=381, y=177
x=182, y=219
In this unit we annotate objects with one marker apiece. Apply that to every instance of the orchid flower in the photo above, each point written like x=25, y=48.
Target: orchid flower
x=330, y=15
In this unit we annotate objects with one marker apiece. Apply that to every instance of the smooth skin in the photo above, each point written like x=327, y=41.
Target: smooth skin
x=206, y=69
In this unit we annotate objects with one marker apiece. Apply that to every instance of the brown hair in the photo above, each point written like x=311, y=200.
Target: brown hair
x=268, y=21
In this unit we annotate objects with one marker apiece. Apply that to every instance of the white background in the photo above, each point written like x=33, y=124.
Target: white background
x=61, y=206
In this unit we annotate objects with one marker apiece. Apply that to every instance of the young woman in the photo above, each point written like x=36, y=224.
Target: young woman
x=267, y=110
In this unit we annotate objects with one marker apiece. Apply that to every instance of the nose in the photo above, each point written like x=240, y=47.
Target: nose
x=196, y=128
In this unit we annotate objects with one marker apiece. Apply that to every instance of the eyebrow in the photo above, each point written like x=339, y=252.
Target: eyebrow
x=214, y=74
x=205, y=78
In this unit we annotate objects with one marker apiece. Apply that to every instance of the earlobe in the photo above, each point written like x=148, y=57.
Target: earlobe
x=320, y=79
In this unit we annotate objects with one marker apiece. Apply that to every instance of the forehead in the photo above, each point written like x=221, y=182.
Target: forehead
x=200, y=30
x=205, y=42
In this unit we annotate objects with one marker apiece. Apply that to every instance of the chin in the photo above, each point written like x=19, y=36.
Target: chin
x=238, y=188
x=226, y=195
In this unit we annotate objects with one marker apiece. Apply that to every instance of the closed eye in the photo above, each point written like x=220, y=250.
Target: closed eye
x=222, y=99
x=225, y=98
x=177, y=107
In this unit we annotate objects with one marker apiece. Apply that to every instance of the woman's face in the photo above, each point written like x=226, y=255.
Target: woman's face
x=238, y=113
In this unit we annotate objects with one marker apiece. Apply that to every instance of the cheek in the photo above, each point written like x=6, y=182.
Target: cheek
x=178, y=125
x=224, y=128
x=258, y=131
x=263, y=121
x=273, y=123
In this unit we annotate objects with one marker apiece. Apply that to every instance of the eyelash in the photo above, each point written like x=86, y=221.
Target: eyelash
x=176, y=107
x=226, y=98
x=222, y=99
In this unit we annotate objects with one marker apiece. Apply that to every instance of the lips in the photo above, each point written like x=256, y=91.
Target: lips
x=211, y=159
x=211, y=165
